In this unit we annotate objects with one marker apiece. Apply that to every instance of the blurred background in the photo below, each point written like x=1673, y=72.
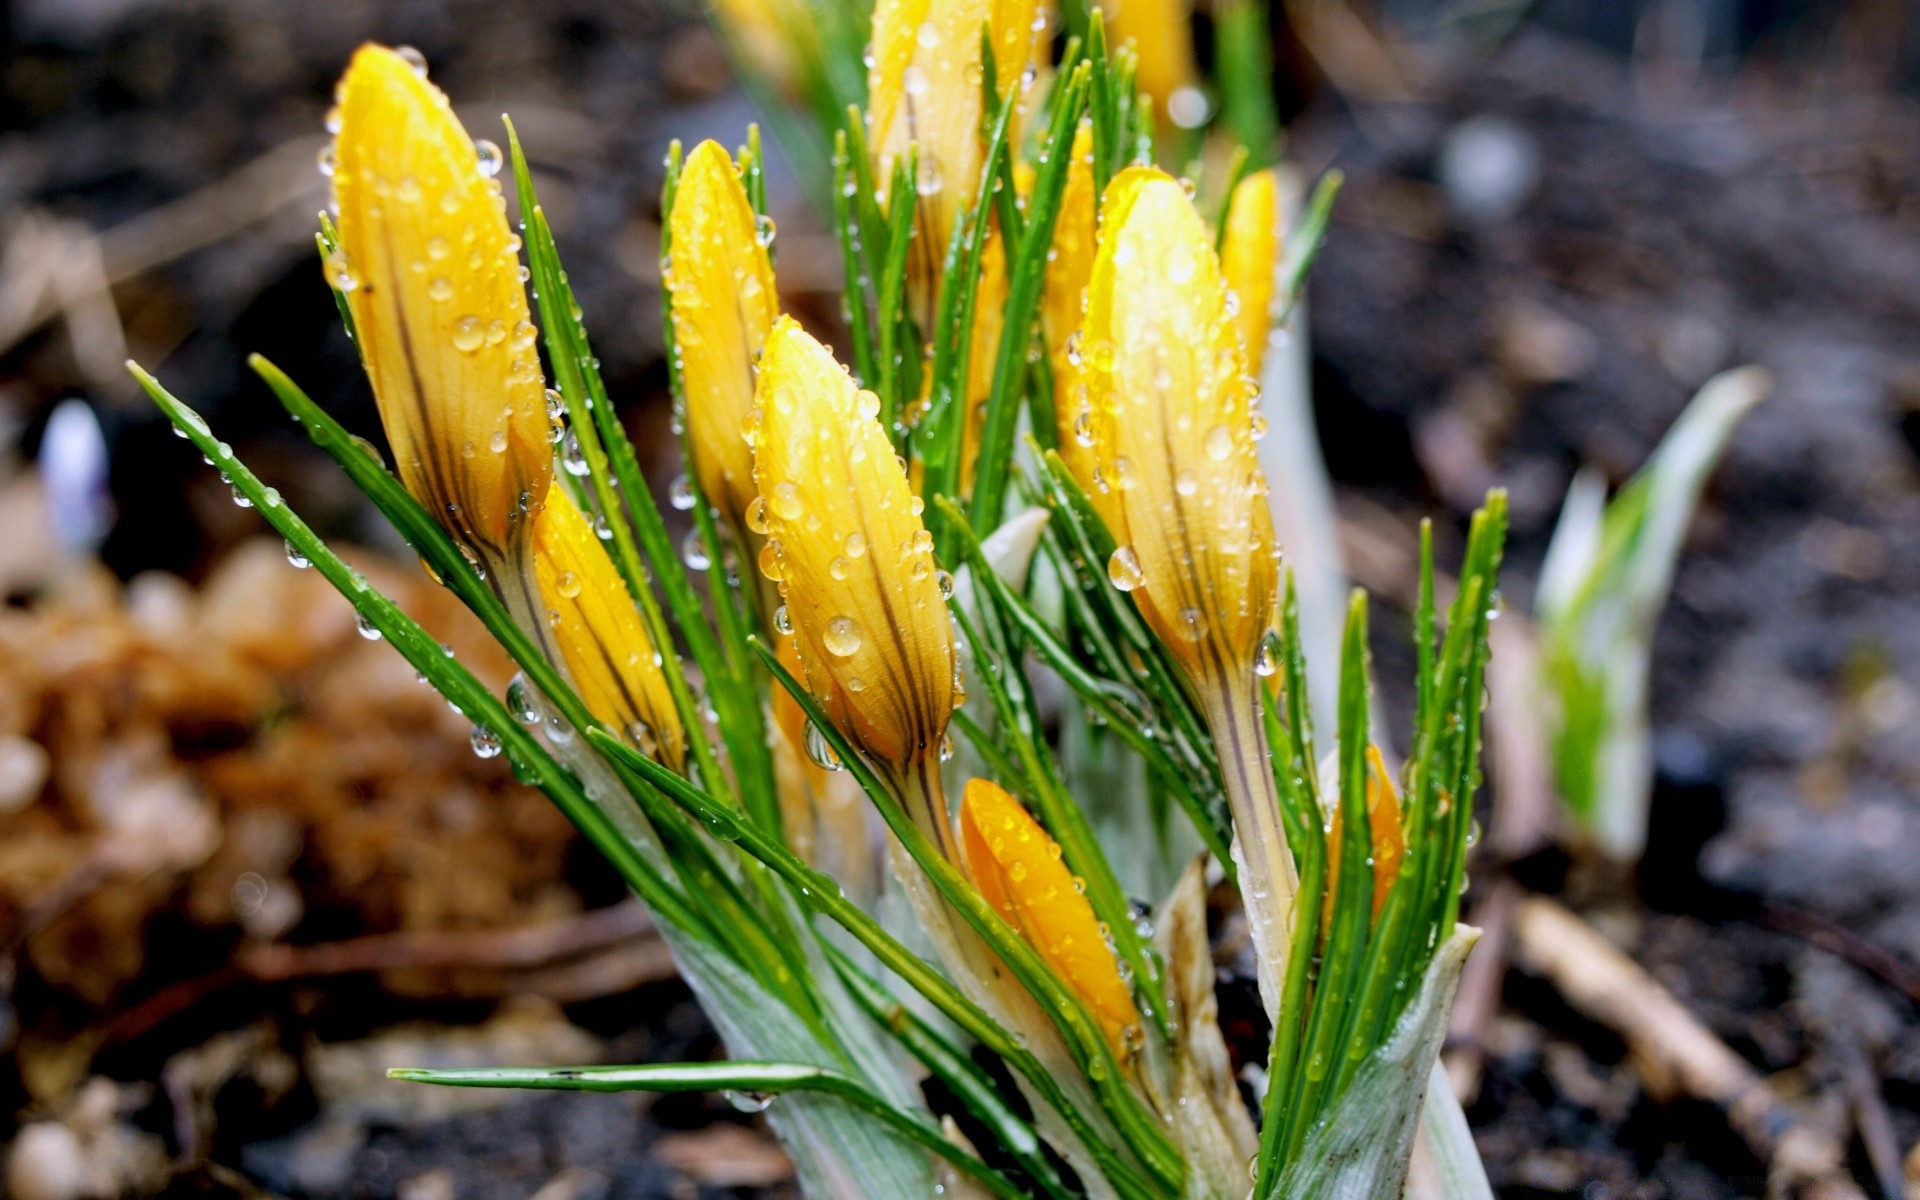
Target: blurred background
x=247, y=861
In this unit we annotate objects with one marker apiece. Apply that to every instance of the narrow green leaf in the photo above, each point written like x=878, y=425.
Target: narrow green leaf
x=754, y=1078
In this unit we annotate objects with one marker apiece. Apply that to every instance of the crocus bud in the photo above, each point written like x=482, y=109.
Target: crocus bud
x=775, y=39
x=432, y=277
x=1250, y=257
x=1172, y=427
x=1018, y=870
x=924, y=88
x=1161, y=33
x=724, y=303
x=1176, y=480
x=1063, y=302
x=598, y=630
x=854, y=564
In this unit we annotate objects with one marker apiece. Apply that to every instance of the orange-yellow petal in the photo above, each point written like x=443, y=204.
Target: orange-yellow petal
x=776, y=39
x=724, y=303
x=924, y=88
x=1018, y=870
x=1389, y=839
x=1250, y=257
x=1171, y=420
x=608, y=653
x=853, y=561
x=432, y=277
x=1161, y=34
x=1063, y=304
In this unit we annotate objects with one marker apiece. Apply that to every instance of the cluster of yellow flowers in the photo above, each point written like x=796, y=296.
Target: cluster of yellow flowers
x=1152, y=335
x=1040, y=270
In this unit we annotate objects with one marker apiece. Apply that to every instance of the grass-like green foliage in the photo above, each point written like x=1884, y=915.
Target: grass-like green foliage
x=1605, y=580
x=813, y=983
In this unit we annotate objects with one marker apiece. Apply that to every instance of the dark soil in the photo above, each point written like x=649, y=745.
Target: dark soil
x=1676, y=226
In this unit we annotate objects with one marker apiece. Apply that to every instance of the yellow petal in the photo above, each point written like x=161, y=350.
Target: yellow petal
x=1389, y=839
x=1063, y=304
x=1250, y=257
x=601, y=636
x=432, y=277
x=776, y=38
x=1176, y=476
x=989, y=316
x=1161, y=33
x=724, y=303
x=852, y=559
x=1018, y=870
x=924, y=88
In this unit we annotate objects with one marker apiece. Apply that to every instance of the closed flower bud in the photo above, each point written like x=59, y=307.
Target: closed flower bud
x=1250, y=258
x=1018, y=870
x=724, y=304
x=613, y=662
x=1176, y=480
x=853, y=562
x=1063, y=303
x=1161, y=33
x=1172, y=427
x=924, y=88
x=1389, y=838
x=775, y=39
x=432, y=277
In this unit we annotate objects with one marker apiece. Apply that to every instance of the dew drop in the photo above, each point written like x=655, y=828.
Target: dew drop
x=468, y=334
x=413, y=58
x=680, y=493
x=693, y=552
x=786, y=502
x=340, y=274
x=820, y=751
x=520, y=700
x=757, y=515
x=365, y=626
x=1219, y=443
x=1266, y=660
x=842, y=636
x=485, y=743
x=296, y=558
x=489, y=157
x=325, y=160
x=1123, y=569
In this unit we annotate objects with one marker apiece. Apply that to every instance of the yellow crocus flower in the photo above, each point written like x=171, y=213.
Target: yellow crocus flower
x=1063, y=303
x=1161, y=33
x=724, y=303
x=1389, y=839
x=854, y=565
x=775, y=38
x=924, y=88
x=432, y=277
x=599, y=633
x=1018, y=870
x=1250, y=257
x=1177, y=481
x=1171, y=416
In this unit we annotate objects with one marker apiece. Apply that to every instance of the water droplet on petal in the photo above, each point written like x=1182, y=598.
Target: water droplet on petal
x=468, y=334
x=1123, y=569
x=842, y=636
